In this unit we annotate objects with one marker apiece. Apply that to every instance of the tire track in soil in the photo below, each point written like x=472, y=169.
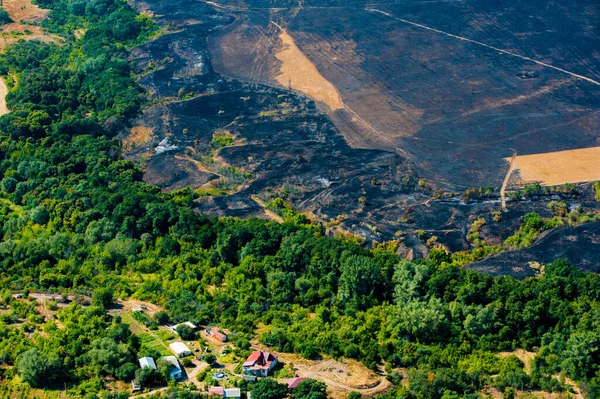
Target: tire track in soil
x=511, y=168
x=510, y=53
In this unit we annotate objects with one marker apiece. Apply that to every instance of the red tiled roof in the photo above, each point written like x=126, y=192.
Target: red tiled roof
x=216, y=334
x=216, y=391
x=260, y=360
x=293, y=383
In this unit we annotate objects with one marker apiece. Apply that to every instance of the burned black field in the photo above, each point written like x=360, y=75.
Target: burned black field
x=422, y=116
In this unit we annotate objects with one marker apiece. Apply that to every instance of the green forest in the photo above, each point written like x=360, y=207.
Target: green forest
x=76, y=218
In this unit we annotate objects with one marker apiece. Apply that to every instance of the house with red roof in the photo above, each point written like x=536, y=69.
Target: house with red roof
x=260, y=363
x=216, y=334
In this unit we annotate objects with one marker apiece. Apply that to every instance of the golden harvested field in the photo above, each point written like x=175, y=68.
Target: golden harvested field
x=303, y=74
x=555, y=168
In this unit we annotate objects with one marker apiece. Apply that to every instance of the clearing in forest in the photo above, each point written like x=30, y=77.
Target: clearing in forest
x=561, y=167
x=299, y=72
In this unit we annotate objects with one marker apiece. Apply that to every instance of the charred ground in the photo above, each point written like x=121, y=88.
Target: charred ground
x=425, y=112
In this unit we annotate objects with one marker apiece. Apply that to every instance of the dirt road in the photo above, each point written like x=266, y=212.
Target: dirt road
x=3, y=93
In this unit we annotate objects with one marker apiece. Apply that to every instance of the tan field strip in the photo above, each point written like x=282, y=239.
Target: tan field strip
x=555, y=168
x=3, y=93
x=298, y=70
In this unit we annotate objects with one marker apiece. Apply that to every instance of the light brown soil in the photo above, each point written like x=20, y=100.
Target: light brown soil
x=555, y=168
x=297, y=71
x=3, y=93
x=139, y=135
x=341, y=377
x=24, y=11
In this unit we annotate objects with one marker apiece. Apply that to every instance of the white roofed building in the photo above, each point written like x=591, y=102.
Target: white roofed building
x=175, y=372
x=147, y=362
x=180, y=349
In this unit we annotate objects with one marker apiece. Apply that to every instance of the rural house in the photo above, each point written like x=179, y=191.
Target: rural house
x=216, y=334
x=260, y=363
x=180, y=349
x=175, y=372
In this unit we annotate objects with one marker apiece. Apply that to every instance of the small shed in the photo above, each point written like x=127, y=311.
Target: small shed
x=180, y=349
x=234, y=393
x=135, y=386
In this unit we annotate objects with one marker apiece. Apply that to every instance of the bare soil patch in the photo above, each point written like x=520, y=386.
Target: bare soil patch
x=555, y=168
x=341, y=376
x=139, y=135
x=3, y=93
x=24, y=11
x=297, y=71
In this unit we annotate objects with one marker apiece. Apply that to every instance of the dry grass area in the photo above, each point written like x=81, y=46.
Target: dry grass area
x=139, y=135
x=3, y=93
x=341, y=377
x=296, y=68
x=555, y=168
x=23, y=11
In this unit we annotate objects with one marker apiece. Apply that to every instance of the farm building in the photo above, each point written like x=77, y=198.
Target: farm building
x=175, y=371
x=187, y=323
x=219, y=391
x=234, y=393
x=216, y=334
x=147, y=362
x=260, y=363
x=180, y=349
x=293, y=383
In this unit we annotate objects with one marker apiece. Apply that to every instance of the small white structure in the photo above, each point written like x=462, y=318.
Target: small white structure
x=135, y=387
x=234, y=393
x=147, y=362
x=187, y=323
x=180, y=349
x=175, y=372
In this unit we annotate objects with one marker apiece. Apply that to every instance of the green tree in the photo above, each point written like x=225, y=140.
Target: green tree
x=37, y=368
x=103, y=297
x=268, y=388
x=310, y=389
